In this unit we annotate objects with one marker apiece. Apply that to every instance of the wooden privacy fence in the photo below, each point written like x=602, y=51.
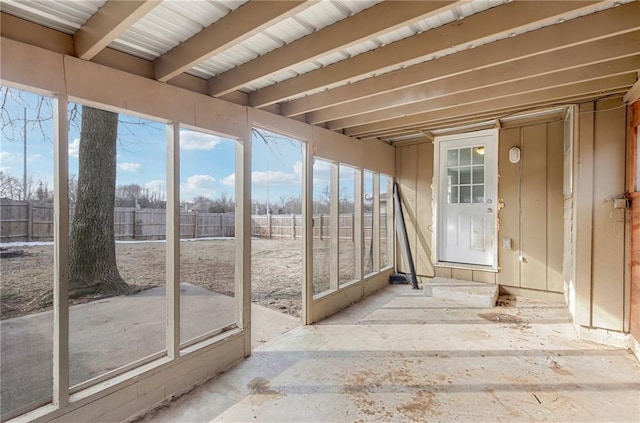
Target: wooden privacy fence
x=26, y=222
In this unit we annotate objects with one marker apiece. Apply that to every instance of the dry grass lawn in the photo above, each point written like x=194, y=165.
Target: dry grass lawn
x=26, y=282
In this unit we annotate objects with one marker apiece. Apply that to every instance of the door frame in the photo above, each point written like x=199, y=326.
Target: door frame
x=436, y=198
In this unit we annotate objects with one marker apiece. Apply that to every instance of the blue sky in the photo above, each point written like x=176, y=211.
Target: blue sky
x=207, y=161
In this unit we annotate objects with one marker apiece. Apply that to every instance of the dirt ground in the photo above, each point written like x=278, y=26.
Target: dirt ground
x=26, y=282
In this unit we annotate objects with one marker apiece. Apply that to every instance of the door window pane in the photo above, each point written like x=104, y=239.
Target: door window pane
x=465, y=175
x=478, y=155
x=478, y=175
x=452, y=157
x=465, y=194
x=465, y=156
x=478, y=193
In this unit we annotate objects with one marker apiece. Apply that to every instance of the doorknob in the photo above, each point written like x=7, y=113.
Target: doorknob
x=489, y=210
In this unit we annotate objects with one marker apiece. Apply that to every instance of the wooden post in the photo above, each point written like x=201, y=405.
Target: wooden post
x=293, y=226
x=195, y=224
x=353, y=226
x=29, y=222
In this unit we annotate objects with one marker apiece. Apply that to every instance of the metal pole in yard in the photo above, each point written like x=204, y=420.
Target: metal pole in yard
x=24, y=180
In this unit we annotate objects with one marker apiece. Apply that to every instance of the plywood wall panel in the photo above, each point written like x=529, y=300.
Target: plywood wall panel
x=533, y=268
x=555, y=206
x=424, y=207
x=509, y=215
x=608, y=223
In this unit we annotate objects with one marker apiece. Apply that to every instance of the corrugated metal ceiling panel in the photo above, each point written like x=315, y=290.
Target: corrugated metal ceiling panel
x=65, y=17
x=309, y=20
x=169, y=24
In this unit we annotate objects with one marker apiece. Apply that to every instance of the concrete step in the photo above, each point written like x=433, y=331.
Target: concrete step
x=473, y=293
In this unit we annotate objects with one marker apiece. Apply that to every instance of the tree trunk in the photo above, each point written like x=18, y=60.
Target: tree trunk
x=93, y=268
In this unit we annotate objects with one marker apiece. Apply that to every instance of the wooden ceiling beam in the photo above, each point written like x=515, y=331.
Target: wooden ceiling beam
x=559, y=94
x=607, y=23
x=107, y=24
x=506, y=89
x=365, y=110
x=244, y=22
x=381, y=18
x=498, y=20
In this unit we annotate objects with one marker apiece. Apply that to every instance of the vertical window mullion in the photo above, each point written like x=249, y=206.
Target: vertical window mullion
x=173, y=241
x=243, y=239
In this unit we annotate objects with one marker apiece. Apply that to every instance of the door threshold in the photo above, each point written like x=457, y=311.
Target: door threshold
x=466, y=266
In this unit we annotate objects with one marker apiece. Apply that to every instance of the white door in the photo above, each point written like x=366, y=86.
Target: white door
x=466, y=198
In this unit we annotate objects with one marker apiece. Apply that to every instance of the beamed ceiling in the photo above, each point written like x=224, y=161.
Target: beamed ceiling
x=388, y=70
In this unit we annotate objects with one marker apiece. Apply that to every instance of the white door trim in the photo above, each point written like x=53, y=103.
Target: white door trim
x=436, y=201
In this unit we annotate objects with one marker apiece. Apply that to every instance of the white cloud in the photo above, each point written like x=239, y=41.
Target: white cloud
x=129, y=167
x=273, y=177
x=229, y=181
x=190, y=140
x=74, y=148
x=6, y=156
x=156, y=185
x=198, y=185
x=35, y=157
x=321, y=173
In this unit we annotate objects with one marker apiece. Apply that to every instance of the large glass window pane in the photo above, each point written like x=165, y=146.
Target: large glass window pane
x=346, y=220
x=276, y=244
x=207, y=232
x=117, y=169
x=386, y=214
x=321, y=225
x=367, y=221
x=26, y=219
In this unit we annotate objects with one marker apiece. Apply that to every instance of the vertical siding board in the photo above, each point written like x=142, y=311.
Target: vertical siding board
x=555, y=206
x=406, y=176
x=534, y=202
x=608, y=223
x=583, y=213
x=509, y=214
x=424, y=207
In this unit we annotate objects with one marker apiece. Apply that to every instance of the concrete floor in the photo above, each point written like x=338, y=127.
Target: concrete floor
x=399, y=356
x=110, y=333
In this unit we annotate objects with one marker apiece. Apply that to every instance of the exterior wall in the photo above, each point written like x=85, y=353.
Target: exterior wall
x=634, y=312
x=530, y=193
x=530, y=186
x=575, y=242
